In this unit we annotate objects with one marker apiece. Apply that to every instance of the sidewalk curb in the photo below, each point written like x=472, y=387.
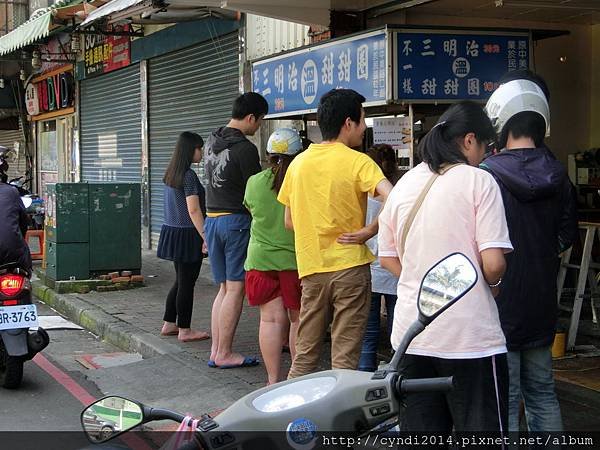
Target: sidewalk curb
x=107, y=327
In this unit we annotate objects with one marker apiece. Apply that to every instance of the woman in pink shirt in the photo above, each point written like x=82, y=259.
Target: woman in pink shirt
x=462, y=212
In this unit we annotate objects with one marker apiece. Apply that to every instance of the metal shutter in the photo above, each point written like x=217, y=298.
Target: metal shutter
x=189, y=90
x=111, y=136
x=17, y=162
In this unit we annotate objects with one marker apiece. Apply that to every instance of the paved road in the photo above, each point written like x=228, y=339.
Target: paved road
x=47, y=406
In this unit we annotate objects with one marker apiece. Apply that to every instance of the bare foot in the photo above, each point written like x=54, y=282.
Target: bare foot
x=169, y=329
x=188, y=335
x=236, y=360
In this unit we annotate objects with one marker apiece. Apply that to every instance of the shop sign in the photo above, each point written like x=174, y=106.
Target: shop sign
x=294, y=82
x=56, y=49
x=104, y=54
x=456, y=66
x=32, y=100
x=51, y=94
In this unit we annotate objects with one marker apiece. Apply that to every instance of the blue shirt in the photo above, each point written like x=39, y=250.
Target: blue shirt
x=175, y=206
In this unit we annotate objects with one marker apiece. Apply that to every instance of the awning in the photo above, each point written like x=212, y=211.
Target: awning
x=39, y=26
x=114, y=7
x=311, y=11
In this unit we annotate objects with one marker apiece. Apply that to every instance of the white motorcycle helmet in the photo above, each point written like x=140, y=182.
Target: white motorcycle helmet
x=284, y=141
x=514, y=97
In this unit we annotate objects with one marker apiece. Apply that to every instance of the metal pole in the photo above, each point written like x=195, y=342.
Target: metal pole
x=146, y=236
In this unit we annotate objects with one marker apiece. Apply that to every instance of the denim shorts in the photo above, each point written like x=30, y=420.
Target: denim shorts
x=227, y=239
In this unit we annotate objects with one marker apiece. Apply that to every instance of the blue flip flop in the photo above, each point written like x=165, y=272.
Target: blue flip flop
x=249, y=361
x=212, y=364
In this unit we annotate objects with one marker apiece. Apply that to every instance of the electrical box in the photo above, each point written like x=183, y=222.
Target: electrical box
x=115, y=227
x=92, y=228
x=67, y=261
x=67, y=213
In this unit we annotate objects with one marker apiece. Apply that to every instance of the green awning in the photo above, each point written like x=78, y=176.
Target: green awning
x=39, y=26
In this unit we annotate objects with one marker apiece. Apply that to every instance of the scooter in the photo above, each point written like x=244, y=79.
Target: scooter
x=299, y=413
x=18, y=343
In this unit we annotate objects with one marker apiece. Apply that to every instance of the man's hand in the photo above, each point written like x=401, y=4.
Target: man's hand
x=357, y=237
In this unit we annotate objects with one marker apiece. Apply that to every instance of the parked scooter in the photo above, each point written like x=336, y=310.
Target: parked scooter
x=34, y=205
x=18, y=343
x=293, y=413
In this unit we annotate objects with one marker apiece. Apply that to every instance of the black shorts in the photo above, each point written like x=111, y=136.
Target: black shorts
x=478, y=402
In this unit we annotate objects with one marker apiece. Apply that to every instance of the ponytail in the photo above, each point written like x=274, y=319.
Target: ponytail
x=441, y=145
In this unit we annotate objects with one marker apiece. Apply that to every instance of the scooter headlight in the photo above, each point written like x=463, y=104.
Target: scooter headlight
x=295, y=394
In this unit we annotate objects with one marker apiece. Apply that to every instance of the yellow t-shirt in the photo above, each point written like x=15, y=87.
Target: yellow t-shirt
x=326, y=189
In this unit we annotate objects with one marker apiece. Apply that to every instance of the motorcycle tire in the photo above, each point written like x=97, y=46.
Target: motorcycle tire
x=11, y=369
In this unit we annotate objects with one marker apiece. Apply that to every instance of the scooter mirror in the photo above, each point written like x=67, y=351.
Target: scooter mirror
x=109, y=417
x=444, y=284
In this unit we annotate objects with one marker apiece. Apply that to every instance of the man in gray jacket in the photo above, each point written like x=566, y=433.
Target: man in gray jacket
x=230, y=159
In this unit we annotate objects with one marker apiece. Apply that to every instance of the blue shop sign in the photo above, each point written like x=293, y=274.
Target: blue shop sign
x=432, y=66
x=294, y=82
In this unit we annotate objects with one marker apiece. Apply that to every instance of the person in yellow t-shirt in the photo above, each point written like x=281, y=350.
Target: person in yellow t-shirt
x=325, y=193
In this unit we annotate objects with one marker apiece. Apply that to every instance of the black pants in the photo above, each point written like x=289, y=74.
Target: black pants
x=478, y=402
x=180, y=299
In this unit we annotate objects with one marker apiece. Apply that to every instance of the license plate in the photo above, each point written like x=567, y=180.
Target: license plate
x=21, y=316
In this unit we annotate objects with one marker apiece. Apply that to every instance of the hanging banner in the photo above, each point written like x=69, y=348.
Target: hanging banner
x=456, y=66
x=56, y=50
x=104, y=54
x=294, y=82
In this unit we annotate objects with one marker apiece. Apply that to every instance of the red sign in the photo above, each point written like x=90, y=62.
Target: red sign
x=104, y=54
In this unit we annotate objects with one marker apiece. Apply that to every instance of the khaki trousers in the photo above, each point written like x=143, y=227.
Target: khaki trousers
x=341, y=298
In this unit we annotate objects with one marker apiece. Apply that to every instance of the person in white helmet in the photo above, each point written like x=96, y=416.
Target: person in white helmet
x=272, y=281
x=541, y=215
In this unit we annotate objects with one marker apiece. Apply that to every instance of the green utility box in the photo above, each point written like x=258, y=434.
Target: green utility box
x=67, y=213
x=92, y=228
x=67, y=261
x=115, y=227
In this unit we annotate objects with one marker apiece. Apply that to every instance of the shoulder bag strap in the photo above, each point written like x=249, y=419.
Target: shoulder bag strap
x=417, y=205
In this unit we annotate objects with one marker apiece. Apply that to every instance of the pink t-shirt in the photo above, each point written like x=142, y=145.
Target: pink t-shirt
x=462, y=212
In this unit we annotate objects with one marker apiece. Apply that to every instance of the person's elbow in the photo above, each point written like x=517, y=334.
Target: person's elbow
x=194, y=211
x=289, y=225
x=383, y=189
x=493, y=262
x=391, y=264
x=287, y=219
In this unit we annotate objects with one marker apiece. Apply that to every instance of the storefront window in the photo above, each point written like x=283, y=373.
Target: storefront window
x=48, y=146
x=48, y=152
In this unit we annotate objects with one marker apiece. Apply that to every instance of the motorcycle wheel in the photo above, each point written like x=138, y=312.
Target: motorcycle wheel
x=11, y=369
x=106, y=433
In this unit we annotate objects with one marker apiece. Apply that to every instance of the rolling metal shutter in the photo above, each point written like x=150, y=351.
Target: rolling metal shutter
x=111, y=136
x=188, y=90
x=17, y=162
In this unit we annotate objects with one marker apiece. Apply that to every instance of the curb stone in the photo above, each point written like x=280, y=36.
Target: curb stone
x=108, y=328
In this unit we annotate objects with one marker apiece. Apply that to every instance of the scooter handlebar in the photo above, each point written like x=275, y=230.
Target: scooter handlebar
x=441, y=384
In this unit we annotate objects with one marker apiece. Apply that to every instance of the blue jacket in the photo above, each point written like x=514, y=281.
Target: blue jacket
x=541, y=213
